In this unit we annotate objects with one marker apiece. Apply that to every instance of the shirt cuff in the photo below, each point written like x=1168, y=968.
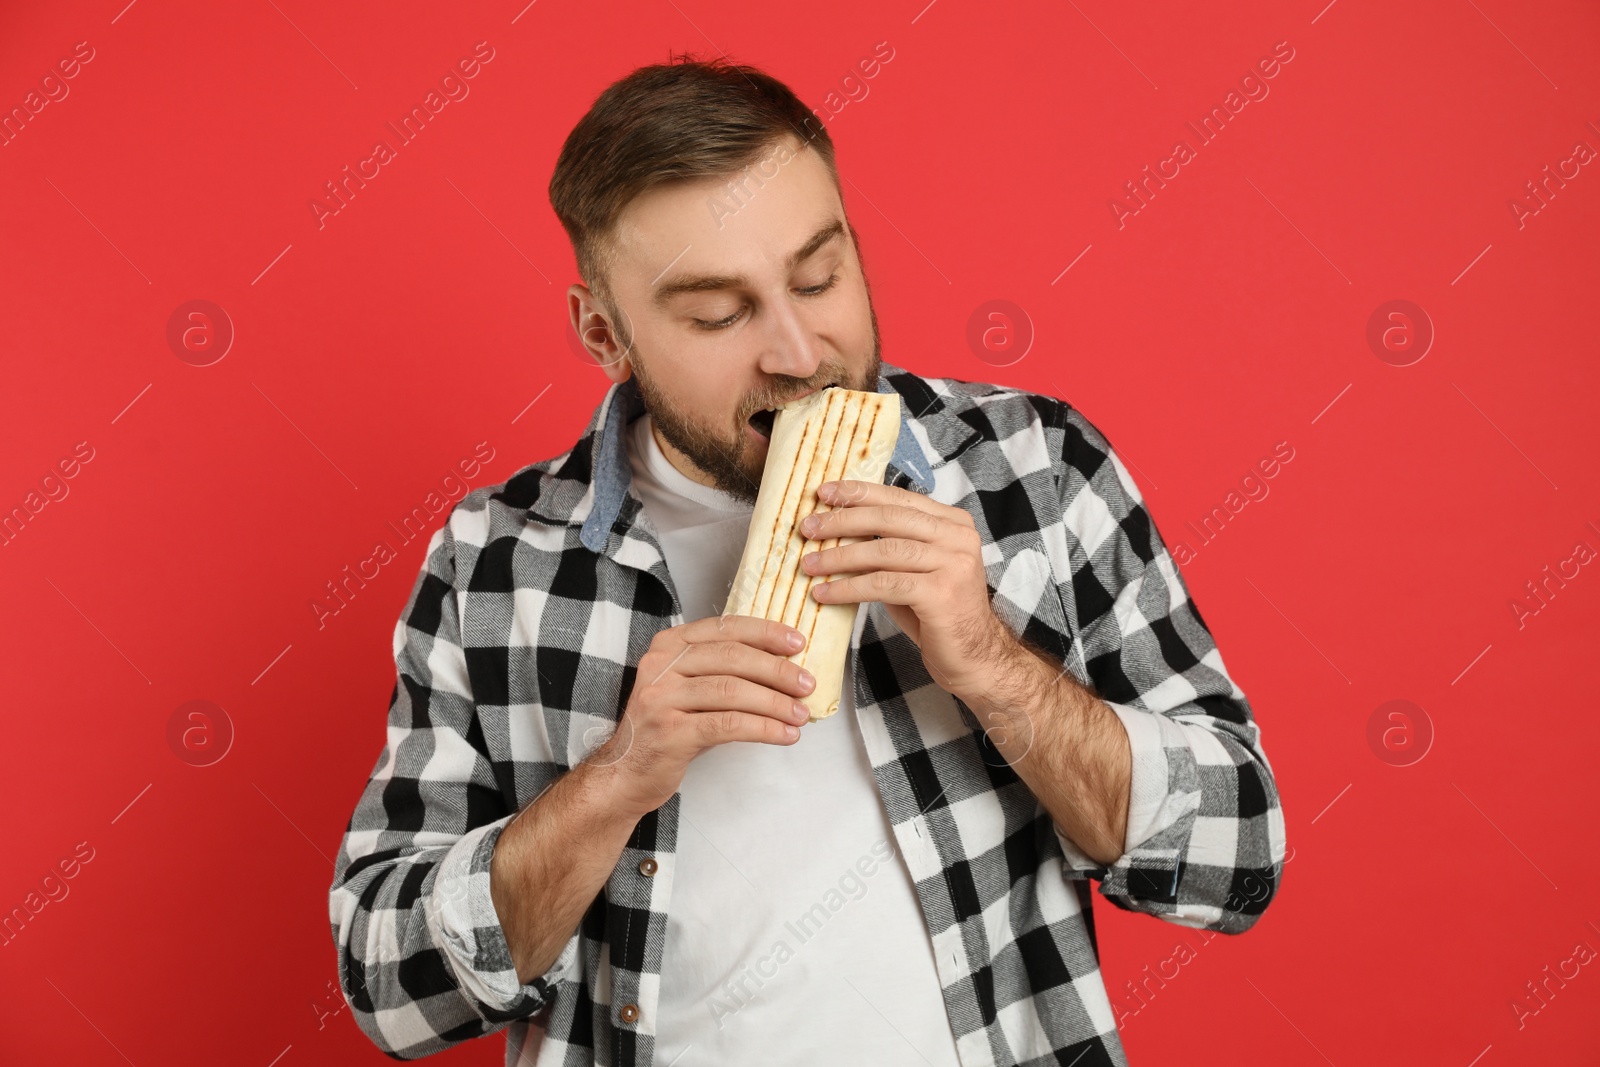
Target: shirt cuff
x=466, y=928
x=1147, y=786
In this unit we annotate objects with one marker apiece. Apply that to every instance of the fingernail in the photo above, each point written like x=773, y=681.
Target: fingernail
x=791, y=732
x=795, y=640
x=801, y=712
x=810, y=558
x=807, y=679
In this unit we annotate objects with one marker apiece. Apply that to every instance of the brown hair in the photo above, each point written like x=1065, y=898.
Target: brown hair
x=674, y=121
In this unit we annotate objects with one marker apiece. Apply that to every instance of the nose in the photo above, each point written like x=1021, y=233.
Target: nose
x=789, y=346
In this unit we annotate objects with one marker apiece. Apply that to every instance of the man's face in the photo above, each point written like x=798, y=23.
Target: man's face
x=732, y=303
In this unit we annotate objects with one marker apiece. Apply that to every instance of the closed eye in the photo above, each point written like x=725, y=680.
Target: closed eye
x=814, y=290
x=723, y=324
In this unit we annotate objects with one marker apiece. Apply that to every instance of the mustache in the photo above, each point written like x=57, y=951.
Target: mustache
x=799, y=390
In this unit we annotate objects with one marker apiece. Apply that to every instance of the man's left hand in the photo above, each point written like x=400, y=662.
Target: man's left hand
x=925, y=565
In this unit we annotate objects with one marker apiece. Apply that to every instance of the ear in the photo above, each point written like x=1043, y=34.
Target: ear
x=600, y=338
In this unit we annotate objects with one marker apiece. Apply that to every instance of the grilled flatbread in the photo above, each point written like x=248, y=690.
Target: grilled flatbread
x=831, y=434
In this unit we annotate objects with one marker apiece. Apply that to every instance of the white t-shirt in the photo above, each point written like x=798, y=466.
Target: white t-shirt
x=793, y=932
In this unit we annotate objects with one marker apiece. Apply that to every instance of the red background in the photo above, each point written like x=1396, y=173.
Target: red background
x=1227, y=315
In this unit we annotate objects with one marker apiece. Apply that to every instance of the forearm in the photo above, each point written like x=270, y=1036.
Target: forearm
x=1068, y=747
x=551, y=861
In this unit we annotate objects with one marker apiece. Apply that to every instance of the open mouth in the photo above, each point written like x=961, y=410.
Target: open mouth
x=762, y=421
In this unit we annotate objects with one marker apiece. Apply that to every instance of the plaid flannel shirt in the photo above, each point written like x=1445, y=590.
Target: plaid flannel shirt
x=515, y=656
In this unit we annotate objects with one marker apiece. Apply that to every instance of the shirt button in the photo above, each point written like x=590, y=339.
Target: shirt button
x=647, y=866
x=630, y=1013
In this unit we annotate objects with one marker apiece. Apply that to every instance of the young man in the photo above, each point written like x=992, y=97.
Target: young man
x=598, y=821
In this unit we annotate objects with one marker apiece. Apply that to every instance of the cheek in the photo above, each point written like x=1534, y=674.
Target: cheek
x=849, y=321
x=718, y=417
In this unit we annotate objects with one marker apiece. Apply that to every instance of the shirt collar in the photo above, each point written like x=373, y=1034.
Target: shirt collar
x=610, y=474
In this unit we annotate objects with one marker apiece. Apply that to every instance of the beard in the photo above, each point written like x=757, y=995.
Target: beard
x=732, y=461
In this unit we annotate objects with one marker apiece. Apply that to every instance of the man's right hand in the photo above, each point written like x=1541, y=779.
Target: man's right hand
x=704, y=683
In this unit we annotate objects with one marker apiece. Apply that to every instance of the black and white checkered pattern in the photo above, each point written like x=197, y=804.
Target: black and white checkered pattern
x=516, y=653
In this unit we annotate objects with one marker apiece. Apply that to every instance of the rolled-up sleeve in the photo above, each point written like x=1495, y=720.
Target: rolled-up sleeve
x=462, y=918
x=1150, y=806
x=423, y=960
x=1205, y=842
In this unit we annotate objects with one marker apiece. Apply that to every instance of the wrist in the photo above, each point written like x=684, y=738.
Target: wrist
x=612, y=789
x=1005, y=670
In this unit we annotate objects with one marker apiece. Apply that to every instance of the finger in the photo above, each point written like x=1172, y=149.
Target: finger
x=727, y=692
x=746, y=661
x=652, y=666
x=889, y=553
x=884, y=520
x=890, y=587
x=852, y=493
x=720, y=727
x=775, y=637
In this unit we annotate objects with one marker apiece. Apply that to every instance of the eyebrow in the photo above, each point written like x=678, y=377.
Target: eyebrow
x=705, y=283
